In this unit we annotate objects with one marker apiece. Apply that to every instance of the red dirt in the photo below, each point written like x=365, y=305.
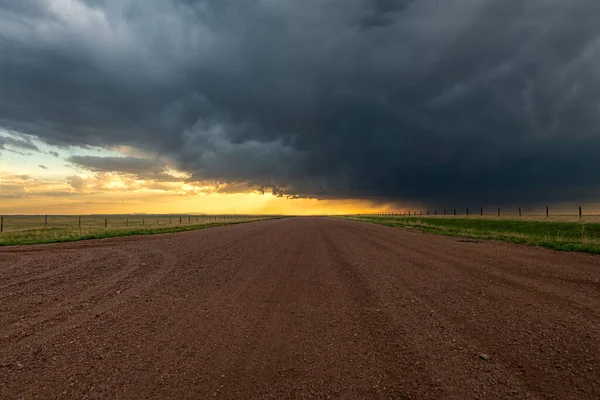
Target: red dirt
x=298, y=308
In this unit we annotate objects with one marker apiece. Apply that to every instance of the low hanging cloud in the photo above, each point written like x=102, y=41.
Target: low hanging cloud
x=470, y=102
x=141, y=168
x=17, y=143
x=129, y=165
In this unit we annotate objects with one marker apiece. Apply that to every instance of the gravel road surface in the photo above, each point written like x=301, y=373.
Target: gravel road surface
x=298, y=308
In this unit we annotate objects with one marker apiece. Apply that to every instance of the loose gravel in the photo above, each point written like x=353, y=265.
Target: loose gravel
x=298, y=308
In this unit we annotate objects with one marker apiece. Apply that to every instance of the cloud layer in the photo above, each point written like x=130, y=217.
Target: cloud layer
x=468, y=101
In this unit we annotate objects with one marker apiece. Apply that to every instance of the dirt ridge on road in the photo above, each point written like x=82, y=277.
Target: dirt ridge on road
x=305, y=307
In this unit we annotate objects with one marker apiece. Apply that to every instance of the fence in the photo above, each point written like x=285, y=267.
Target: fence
x=496, y=212
x=14, y=223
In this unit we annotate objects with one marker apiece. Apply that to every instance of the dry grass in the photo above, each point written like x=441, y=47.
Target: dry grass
x=14, y=223
x=30, y=229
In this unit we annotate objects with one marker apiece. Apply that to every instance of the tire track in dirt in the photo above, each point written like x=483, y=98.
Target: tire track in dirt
x=413, y=315
x=469, y=264
x=217, y=315
x=91, y=284
x=388, y=341
x=432, y=342
x=96, y=287
x=265, y=295
x=35, y=282
x=526, y=321
x=21, y=268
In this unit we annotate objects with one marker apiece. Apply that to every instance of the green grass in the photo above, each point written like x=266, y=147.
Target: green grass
x=552, y=234
x=64, y=230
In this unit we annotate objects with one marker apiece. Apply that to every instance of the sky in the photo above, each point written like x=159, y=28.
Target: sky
x=297, y=106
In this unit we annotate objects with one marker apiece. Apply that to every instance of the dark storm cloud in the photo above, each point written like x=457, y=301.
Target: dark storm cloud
x=487, y=101
x=17, y=142
x=130, y=165
x=383, y=12
x=142, y=168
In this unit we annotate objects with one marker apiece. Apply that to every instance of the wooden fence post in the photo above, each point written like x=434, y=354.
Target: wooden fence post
x=546, y=211
x=519, y=211
x=481, y=211
x=444, y=211
x=1, y=224
x=455, y=212
x=179, y=219
x=105, y=222
x=498, y=211
x=579, y=212
x=46, y=221
x=434, y=212
x=467, y=211
x=79, y=222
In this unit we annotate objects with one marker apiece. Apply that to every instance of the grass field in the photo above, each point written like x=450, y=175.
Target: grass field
x=565, y=233
x=32, y=229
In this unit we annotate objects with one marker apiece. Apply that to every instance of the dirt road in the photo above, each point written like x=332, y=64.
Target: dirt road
x=298, y=308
